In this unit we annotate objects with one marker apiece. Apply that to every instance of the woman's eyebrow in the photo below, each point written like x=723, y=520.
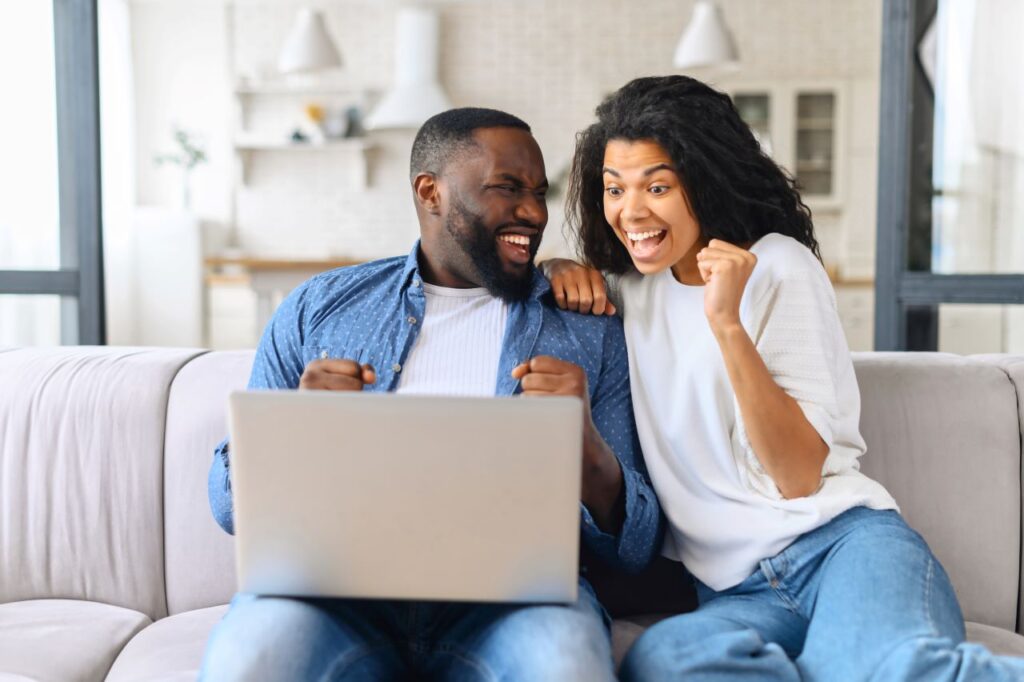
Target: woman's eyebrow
x=655, y=169
x=647, y=171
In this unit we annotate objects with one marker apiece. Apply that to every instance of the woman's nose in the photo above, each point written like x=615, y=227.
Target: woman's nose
x=634, y=206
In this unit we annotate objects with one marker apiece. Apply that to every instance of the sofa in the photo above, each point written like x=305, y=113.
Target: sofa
x=111, y=566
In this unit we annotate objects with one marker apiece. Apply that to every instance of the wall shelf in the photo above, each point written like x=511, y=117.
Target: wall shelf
x=246, y=147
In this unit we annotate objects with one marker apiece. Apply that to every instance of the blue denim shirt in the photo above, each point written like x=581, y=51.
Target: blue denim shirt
x=371, y=313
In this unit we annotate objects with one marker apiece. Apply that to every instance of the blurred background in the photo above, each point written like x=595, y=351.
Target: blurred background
x=172, y=168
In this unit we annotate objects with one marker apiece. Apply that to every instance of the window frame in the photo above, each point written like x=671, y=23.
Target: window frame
x=907, y=293
x=79, y=280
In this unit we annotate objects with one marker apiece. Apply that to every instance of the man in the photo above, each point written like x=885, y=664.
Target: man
x=465, y=313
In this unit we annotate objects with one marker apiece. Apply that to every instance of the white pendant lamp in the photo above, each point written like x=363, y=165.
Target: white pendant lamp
x=308, y=46
x=416, y=94
x=707, y=41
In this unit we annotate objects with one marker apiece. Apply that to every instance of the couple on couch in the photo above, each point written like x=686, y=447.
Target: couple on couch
x=743, y=399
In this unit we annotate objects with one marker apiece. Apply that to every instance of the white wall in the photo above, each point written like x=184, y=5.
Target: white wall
x=549, y=62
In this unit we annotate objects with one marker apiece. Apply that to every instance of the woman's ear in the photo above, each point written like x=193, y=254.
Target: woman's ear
x=426, y=189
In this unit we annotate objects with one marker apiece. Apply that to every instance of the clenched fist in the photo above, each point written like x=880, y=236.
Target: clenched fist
x=336, y=375
x=725, y=269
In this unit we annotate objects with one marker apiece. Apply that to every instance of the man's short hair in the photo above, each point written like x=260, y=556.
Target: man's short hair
x=446, y=134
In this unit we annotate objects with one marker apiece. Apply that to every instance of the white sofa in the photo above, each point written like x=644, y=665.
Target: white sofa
x=111, y=566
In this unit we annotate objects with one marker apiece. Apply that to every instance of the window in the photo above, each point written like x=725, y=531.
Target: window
x=51, y=271
x=951, y=174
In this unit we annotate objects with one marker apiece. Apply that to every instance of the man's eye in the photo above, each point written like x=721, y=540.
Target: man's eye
x=508, y=188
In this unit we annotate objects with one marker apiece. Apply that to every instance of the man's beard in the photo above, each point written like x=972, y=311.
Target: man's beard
x=479, y=244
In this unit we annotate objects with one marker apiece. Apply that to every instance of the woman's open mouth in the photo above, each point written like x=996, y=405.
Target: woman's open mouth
x=644, y=245
x=515, y=247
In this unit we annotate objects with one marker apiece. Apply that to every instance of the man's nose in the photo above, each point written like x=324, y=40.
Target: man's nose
x=532, y=209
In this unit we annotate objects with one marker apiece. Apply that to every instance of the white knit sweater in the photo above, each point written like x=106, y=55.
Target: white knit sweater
x=725, y=511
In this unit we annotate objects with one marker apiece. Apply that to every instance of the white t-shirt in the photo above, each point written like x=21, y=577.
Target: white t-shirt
x=726, y=513
x=459, y=346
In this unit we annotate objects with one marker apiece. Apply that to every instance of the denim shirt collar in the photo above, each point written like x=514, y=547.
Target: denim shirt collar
x=411, y=276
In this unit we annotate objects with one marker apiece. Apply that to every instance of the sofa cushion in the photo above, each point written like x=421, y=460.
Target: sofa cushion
x=63, y=640
x=200, y=556
x=169, y=649
x=81, y=489
x=943, y=436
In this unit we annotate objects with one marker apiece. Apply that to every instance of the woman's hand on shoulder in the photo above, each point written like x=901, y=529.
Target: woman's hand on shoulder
x=577, y=287
x=725, y=269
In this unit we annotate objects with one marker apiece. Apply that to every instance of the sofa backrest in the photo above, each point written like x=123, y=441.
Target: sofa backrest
x=943, y=435
x=200, y=556
x=81, y=474
x=1013, y=365
x=104, y=454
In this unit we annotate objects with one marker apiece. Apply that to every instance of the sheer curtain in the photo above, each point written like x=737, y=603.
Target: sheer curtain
x=117, y=138
x=979, y=137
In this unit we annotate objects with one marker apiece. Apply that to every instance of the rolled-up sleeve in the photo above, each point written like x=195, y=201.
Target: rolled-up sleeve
x=639, y=539
x=278, y=365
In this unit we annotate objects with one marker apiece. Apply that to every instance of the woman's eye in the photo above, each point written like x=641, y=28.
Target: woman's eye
x=659, y=189
x=613, y=191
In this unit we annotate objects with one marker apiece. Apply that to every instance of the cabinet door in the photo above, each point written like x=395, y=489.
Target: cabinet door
x=815, y=162
x=755, y=109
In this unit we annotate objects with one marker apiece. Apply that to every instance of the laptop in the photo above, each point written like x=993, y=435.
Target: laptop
x=384, y=496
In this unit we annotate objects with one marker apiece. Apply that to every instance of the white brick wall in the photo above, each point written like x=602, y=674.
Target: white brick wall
x=548, y=62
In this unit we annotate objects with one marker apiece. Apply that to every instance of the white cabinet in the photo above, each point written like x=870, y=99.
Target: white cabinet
x=855, y=303
x=801, y=126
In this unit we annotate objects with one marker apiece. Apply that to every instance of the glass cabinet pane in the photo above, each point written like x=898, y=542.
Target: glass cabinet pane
x=815, y=133
x=755, y=110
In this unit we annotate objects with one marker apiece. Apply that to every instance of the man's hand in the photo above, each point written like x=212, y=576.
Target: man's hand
x=336, y=375
x=602, y=473
x=577, y=287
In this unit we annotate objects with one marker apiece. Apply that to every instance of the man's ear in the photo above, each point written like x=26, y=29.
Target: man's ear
x=427, y=190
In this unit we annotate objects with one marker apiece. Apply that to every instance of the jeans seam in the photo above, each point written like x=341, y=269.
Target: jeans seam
x=928, y=597
x=348, y=658
x=773, y=577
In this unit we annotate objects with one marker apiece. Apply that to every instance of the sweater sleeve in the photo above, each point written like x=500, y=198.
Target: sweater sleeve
x=796, y=329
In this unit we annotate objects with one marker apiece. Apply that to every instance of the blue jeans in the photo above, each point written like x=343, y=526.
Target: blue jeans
x=861, y=598
x=280, y=638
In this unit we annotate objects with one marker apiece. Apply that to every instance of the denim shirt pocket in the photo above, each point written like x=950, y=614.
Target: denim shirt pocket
x=321, y=351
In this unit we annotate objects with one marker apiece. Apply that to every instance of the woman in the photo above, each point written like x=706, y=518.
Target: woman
x=748, y=409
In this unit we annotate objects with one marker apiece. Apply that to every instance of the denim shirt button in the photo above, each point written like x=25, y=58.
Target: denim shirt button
x=396, y=368
x=323, y=355
x=412, y=320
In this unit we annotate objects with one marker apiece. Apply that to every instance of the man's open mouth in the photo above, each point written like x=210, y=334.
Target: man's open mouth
x=515, y=247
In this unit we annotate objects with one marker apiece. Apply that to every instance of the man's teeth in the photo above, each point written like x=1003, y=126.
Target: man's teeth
x=520, y=239
x=640, y=236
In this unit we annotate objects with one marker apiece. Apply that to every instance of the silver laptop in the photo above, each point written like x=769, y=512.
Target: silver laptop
x=406, y=497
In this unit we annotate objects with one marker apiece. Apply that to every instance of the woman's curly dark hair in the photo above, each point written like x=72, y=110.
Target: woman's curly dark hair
x=736, y=192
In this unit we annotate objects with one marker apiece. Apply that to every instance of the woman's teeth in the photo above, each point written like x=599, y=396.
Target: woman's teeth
x=520, y=239
x=640, y=236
